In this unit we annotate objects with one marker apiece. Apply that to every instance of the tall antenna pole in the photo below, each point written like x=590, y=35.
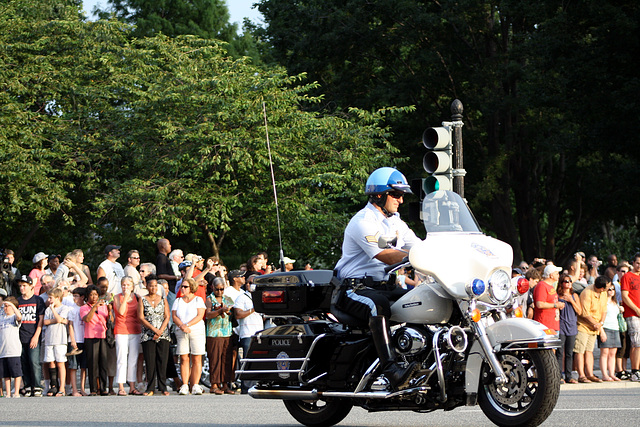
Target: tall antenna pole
x=273, y=182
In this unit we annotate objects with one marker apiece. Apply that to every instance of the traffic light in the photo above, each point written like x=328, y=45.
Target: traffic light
x=438, y=161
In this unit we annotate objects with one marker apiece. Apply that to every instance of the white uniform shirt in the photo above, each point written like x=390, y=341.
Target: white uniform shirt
x=360, y=244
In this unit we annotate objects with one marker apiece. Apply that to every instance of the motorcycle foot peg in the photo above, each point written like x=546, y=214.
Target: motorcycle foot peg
x=398, y=376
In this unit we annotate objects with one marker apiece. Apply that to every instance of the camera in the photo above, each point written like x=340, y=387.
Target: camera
x=5, y=267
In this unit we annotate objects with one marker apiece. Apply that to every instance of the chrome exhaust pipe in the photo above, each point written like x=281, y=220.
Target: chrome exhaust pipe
x=260, y=393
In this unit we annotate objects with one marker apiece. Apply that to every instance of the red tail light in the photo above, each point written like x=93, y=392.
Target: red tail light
x=523, y=285
x=273, y=297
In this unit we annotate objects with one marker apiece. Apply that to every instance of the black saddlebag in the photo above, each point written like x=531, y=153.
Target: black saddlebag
x=281, y=353
x=294, y=292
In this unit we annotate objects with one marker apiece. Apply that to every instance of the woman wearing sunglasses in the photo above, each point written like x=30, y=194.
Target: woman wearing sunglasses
x=188, y=312
x=609, y=338
x=568, y=326
x=219, y=332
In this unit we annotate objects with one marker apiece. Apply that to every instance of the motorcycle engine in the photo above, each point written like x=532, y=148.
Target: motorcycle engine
x=411, y=341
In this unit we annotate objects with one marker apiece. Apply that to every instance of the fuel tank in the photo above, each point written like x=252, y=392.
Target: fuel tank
x=426, y=303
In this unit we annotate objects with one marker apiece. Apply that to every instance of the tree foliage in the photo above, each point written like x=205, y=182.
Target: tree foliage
x=111, y=139
x=207, y=19
x=544, y=87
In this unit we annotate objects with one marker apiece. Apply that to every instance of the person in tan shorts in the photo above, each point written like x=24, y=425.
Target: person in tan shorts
x=594, y=310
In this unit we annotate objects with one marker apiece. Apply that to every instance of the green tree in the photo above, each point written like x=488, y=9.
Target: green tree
x=44, y=67
x=110, y=139
x=195, y=157
x=208, y=19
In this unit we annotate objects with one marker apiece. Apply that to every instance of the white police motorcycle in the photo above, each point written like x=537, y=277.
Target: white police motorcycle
x=461, y=325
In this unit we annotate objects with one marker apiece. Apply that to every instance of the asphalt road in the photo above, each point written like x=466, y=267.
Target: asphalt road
x=579, y=405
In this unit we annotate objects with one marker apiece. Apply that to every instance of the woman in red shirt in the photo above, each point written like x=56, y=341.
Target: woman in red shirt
x=127, y=331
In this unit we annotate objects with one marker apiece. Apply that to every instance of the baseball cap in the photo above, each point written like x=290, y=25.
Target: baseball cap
x=183, y=265
x=3, y=293
x=235, y=273
x=550, y=269
x=109, y=248
x=26, y=279
x=39, y=257
x=288, y=260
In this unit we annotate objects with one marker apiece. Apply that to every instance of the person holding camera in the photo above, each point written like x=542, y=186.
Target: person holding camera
x=9, y=274
x=219, y=330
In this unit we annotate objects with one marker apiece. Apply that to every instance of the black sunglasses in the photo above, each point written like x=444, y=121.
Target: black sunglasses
x=396, y=194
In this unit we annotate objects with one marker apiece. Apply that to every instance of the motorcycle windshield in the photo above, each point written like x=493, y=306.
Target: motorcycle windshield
x=446, y=211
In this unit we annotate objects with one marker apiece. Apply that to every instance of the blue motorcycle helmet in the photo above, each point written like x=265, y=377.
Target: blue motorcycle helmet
x=386, y=179
x=383, y=181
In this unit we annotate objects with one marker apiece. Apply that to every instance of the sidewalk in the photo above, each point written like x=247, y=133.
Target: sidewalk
x=598, y=373
x=598, y=386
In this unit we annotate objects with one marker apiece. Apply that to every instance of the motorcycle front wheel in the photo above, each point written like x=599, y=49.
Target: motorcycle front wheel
x=318, y=413
x=530, y=394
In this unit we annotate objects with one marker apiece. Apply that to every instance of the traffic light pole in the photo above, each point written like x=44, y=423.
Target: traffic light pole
x=458, y=167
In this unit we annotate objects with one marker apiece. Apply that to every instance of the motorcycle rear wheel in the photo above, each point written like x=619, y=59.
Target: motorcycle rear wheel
x=318, y=413
x=531, y=393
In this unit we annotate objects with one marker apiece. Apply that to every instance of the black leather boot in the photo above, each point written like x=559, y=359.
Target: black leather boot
x=397, y=375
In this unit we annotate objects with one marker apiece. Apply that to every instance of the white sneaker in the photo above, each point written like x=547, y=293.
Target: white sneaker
x=197, y=389
x=184, y=390
x=635, y=376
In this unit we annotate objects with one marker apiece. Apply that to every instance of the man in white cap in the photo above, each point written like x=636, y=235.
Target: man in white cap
x=288, y=263
x=545, y=298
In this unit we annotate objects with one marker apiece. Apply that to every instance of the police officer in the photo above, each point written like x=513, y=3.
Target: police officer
x=361, y=268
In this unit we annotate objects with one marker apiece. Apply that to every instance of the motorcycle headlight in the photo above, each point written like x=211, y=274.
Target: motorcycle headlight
x=500, y=286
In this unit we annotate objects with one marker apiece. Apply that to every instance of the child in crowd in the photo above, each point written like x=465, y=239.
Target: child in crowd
x=32, y=308
x=67, y=298
x=75, y=355
x=56, y=319
x=10, y=346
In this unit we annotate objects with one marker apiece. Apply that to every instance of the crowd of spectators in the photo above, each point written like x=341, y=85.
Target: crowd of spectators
x=588, y=303
x=143, y=319
x=60, y=330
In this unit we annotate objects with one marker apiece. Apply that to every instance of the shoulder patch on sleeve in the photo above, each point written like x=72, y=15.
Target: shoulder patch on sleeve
x=372, y=239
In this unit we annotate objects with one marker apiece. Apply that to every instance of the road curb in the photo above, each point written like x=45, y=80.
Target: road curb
x=599, y=386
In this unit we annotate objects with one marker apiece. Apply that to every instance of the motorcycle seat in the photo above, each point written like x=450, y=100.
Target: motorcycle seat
x=344, y=317
x=347, y=319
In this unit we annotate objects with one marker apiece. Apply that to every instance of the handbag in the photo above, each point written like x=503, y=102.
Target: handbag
x=622, y=323
x=111, y=337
